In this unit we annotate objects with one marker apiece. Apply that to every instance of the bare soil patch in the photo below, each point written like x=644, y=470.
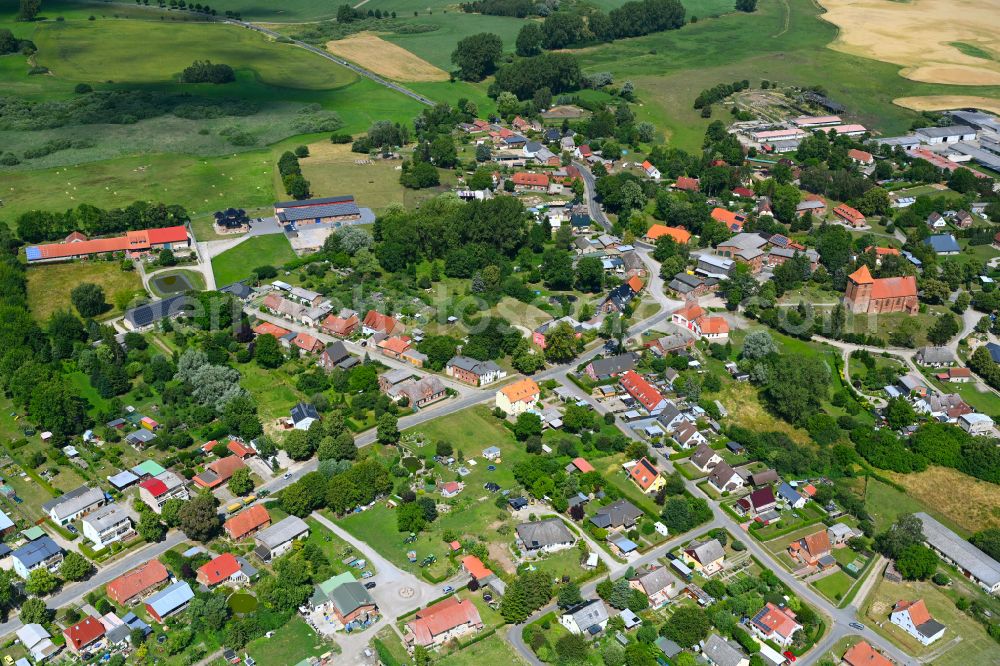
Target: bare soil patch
x=945, y=102
x=385, y=58
x=920, y=36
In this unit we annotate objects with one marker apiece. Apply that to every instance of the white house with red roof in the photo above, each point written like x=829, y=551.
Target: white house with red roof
x=651, y=170
x=914, y=618
x=775, y=624
x=443, y=621
x=643, y=392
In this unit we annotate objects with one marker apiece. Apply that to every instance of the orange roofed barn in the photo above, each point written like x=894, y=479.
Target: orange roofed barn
x=437, y=624
x=875, y=295
x=77, y=245
x=219, y=472
x=680, y=236
x=247, y=522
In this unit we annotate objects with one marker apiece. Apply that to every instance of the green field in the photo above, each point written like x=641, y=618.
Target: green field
x=492, y=650
x=782, y=41
x=834, y=586
x=291, y=644
x=108, y=275
x=436, y=47
x=236, y=264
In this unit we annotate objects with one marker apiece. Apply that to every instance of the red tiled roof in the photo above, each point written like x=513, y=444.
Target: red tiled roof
x=896, y=287
x=475, y=567
x=267, y=328
x=582, y=465
x=733, y=221
x=860, y=155
x=817, y=543
x=681, y=236
x=917, y=610
x=882, y=251
x=585, y=149
x=442, y=617
x=862, y=275
x=84, y=632
x=691, y=312
x=240, y=449
x=247, y=521
x=395, y=344
x=713, y=325
x=154, y=486
x=687, y=184
x=380, y=322
x=218, y=570
x=864, y=654
x=531, y=179
x=132, y=240
x=520, y=391
x=162, y=235
x=640, y=389
x=743, y=192
x=635, y=284
x=223, y=468
x=340, y=326
x=777, y=620
x=141, y=578
x=305, y=341
x=644, y=473
x=852, y=215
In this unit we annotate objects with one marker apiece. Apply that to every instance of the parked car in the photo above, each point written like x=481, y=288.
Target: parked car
x=788, y=655
x=448, y=589
x=71, y=529
x=367, y=574
x=370, y=584
x=286, y=475
x=858, y=626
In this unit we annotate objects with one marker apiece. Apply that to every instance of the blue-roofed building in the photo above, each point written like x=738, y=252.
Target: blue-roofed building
x=318, y=211
x=6, y=524
x=42, y=552
x=790, y=495
x=133, y=622
x=624, y=545
x=170, y=600
x=994, y=350
x=944, y=244
x=589, y=617
x=122, y=480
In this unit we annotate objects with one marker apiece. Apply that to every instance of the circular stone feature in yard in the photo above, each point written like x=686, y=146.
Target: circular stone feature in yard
x=242, y=603
x=407, y=592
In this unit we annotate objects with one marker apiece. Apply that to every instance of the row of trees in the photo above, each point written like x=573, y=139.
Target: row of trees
x=203, y=71
x=36, y=226
x=290, y=171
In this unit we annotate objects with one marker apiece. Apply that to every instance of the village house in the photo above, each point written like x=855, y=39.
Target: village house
x=155, y=491
x=680, y=235
x=618, y=298
x=277, y=539
x=763, y=477
x=720, y=652
x=617, y=515
x=705, y=458
x=75, y=504
x=863, y=654
x=439, y=623
x=218, y=472
x=169, y=601
x=707, y=556
x=934, y=357
x=586, y=619
x=687, y=435
x=247, y=522
x=975, y=424
x=517, y=398
x=757, y=503
x=538, y=335
x=674, y=342
x=307, y=344
x=645, y=475
x=351, y=604
x=790, y=496
x=334, y=356
x=395, y=346
x=956, y=375
x=376, y=322
x=419, y=393
x=732, y=221
x=812, y=550
x=840, y=533
x=642, y=392
x=107, y=525
x=84, y=634
x=651, y=170
x=773, y=623
x=39, y=553
x=530, y=182
x=852, y=217
x=545, y=536
x=142, y=580
x=449, y=489
x=860, y=157
x=658, y=584
x=474, y=372
x=37, y=641
x=686, y=184
x=877, y=295
x=725, y=479
x=914, y=618
x=744, y=247
x=605, y=368
x=224, y=569
x=339, y=325
x=812, y=204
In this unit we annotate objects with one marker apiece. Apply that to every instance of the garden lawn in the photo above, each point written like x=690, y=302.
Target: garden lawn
x=49, y=285
x=237, y=263
x=986, y=401
x=493, y=650
x=834, y=586
x=291, y=644
x=274, y=390
x=332, y=546
x=975, y=646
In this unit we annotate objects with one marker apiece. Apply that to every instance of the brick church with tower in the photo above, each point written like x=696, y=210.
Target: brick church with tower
x=874, y=295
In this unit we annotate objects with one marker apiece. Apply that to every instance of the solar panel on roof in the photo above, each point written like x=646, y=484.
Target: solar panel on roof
x=34, y=253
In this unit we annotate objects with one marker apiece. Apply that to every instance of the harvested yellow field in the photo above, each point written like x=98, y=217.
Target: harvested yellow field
x=385, y=58
x=946, y=102
x=975, y=507
x=935, y=41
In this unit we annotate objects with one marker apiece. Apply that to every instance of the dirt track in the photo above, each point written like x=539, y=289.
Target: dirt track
x=920, y=36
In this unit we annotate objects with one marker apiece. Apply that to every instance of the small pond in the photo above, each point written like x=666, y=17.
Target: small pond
x=172, y=284
x=241, y=603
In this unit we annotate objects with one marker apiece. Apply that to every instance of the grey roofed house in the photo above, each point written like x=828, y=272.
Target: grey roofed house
x=337, y=352
x=760, y=478
x=944, y=132
x=943, y=244
x=684, y=283
x=118, y=634
x=238, y=289
x=107, y=516
x=721, y=653
x=544, y=154
x=715, y=266
x=140, y=436
x=303, y=411
x=669, y=414
x=935, y=356
x=656, y=580
x=544, y=533
x=393, y=377
x=789, y=494
x=620, y=513
x=963, y=554
x=668, y=647
x=721, y=477
x=702, y=455
x=39, y=550
x=588, y=614
x=746, y=241
x=37, y=640
x=312, y=209
x=707, y=551
x=150, y=313
x=73, y=502
x=349, y=597
x=994, y=350
x=122, y=480
x=281, y=532
x=479, y=368
x=614, y=365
